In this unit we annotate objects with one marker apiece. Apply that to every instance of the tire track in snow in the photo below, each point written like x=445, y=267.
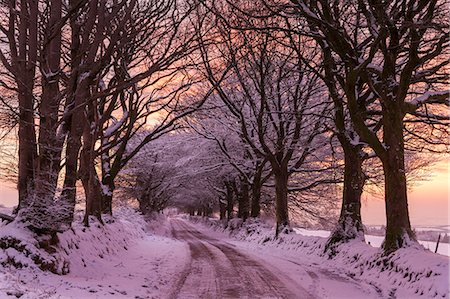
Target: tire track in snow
x=217, y=270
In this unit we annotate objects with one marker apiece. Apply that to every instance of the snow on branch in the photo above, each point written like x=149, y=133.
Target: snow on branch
x=430, y=97
x=109, y=131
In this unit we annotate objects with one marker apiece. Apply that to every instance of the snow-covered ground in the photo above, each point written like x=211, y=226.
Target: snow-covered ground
x=131, y=258
x=118, y=260
x=261, y=271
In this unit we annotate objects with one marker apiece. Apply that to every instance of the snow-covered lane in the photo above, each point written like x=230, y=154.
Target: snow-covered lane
x=312, y=273
x=221, y=268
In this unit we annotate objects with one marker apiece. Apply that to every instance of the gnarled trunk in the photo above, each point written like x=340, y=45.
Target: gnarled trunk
x=350, y=225
x=398, y=226
x=49, y=147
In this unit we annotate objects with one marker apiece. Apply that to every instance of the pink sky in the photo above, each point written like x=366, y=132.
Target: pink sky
x=428, y=201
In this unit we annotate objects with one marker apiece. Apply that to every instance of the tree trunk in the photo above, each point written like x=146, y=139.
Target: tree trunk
x=27, y=148
x=244, y=201
x=108, y=185
x=94, y=200
x=192, y=211
x=88, y=173
x=24, y=65
x=77, y=93
x=49, y=153
x=229, y=199
x=398, y=227
x=91, y=186
x=256, y=195
x=68, y=195
x=350, y=225
x=281, y=199
x=108, y=188
x=222, y=208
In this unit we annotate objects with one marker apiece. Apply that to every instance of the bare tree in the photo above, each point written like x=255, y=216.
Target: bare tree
x=97, y=61
x=271, y=95
x=19, y=57
x=384, y=55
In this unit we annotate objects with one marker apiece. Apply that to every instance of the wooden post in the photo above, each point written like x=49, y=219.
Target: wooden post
x=437, y=244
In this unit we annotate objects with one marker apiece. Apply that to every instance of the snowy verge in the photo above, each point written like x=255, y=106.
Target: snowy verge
x=25, y=256
x=59, y=253
x=408, y=273
x=82, y=245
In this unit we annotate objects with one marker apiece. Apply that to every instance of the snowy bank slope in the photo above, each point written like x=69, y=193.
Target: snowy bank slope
x=409, y=273
x=117, y=260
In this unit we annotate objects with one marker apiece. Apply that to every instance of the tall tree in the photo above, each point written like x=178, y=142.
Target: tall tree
x=394, y=51
x=96, y=60
x=271, y=95
x=19, y=58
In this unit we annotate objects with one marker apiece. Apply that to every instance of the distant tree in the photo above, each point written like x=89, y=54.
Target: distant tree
x=271, y=96
x=214, y=122
x=181, y=170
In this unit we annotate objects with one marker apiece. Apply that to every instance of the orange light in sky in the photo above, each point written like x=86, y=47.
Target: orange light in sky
x=428, y=201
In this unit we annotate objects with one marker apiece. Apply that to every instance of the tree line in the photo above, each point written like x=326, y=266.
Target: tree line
x=286, y=100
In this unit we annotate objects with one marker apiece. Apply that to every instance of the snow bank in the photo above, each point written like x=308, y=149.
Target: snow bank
x=21, y=248
x=73, y=248
x=81, y=246
x=376, y=241
x=122, y=259
x=158, y=224
x=407, y=273
x=23, y=253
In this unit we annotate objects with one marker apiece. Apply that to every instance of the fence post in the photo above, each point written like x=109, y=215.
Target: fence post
x=437, y=244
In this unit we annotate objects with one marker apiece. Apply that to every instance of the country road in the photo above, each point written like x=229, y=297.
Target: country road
x=185, y=261
x=218, y=270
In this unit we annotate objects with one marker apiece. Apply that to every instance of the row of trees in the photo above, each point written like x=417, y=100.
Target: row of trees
x=82, y=78
x=295, y=97
x=300, y=91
